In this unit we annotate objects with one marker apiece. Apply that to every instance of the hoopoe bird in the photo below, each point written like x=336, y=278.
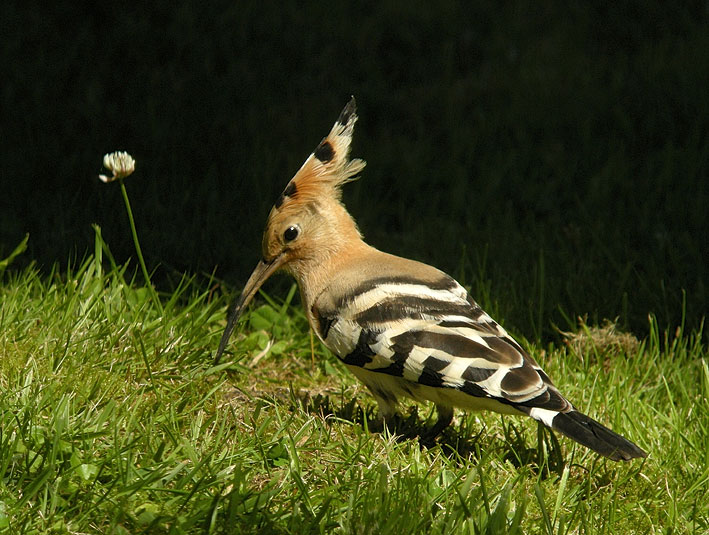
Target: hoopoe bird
x=403, y=328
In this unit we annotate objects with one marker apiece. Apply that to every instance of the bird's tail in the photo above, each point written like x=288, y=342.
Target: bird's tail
x=588, y=432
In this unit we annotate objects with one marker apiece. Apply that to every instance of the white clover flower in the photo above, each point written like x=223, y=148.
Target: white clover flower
x=121, y=164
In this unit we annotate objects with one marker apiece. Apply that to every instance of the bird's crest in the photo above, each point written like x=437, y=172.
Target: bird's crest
x=328, y=167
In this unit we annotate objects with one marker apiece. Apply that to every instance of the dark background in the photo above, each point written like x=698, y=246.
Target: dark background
x=551, y=155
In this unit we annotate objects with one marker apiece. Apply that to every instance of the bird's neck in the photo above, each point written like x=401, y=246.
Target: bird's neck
x=339, y=245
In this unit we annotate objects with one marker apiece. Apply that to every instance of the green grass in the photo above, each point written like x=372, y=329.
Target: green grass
x=113, y=420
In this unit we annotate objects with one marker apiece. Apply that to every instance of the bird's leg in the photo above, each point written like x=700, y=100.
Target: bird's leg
x=445, y=417
x=388, y=416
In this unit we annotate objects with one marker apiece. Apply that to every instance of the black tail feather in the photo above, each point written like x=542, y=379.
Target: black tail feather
x=593, y=435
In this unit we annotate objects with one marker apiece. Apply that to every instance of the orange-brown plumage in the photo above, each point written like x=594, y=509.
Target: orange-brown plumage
x=328, y=168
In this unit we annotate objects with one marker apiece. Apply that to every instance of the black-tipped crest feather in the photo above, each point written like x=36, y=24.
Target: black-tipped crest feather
x=329, y=166
x=349, y=110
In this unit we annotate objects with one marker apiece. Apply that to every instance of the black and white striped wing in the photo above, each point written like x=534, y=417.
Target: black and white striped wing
x=435, y=335
x=431, y=341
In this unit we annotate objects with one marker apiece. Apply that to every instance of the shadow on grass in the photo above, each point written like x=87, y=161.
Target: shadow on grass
x=458, y=444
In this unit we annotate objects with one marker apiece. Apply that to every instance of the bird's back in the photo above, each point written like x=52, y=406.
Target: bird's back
x=415, y=324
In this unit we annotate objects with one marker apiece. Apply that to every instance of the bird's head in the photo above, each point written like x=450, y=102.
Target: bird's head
x=308, y=224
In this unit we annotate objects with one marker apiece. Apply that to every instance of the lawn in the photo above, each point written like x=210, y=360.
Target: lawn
x=113, y=420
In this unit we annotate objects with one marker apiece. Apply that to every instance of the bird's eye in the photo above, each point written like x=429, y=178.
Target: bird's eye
x=291, y=233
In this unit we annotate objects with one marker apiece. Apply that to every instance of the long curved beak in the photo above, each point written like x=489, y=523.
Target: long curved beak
x=260, y=274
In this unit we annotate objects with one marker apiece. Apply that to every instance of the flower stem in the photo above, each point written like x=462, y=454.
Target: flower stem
x=146, y=275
